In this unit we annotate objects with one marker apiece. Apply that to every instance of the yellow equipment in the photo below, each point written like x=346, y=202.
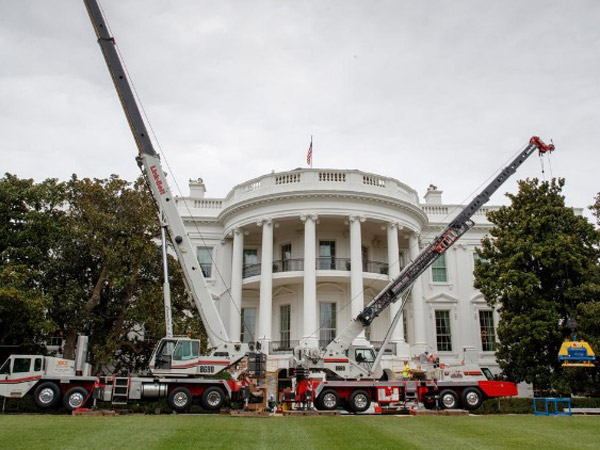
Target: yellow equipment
x=576, y=354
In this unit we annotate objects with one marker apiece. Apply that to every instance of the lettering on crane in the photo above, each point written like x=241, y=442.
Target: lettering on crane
x=206, y=369
x=159, y=184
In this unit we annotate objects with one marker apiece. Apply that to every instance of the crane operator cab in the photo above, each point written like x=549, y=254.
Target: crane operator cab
x=179, y=355
x=364, y=356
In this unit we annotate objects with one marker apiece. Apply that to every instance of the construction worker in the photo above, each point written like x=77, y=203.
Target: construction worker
x=406, y=371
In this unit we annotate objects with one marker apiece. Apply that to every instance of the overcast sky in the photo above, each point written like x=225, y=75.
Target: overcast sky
x=439, y=92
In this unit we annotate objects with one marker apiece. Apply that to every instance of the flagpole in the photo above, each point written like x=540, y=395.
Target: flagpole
x=313, y=151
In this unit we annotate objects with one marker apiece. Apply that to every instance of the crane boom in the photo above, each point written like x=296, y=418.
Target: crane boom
x=438, y=246
x=149, y=162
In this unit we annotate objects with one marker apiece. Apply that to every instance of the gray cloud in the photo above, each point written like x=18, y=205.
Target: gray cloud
x=425, y=91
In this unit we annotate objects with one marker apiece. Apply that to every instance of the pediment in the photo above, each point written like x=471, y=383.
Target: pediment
x=282, y=290
x=250, y=293
x=330, y=287
x=442, y=298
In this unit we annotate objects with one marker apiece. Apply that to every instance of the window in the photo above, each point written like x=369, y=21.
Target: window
x=251, y=266
x=364, y=355
x=285, y=316
x=204, y=255
x=5, y=367
x=401, y=260
x=438, y=270
x=250, y=256
x=186, y=350
x=364, y=254
x=37, y=365
x=248, y=324
x=443, y=331
x=286, y=255
x=328, y=323
x=21, y=365
x=326, y=255
x=488, y=334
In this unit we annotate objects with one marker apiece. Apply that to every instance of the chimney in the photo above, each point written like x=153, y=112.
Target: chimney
x=433, y=196
x=197, y=188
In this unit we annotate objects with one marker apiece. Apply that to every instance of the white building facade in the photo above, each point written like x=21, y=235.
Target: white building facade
x=293, y=256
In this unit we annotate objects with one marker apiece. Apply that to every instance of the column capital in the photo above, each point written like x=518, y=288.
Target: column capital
x=240, y=230
x=356, y=217
x=265, y=221
x=309, y=216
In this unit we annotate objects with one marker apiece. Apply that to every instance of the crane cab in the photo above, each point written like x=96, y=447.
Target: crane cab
x=179, y=355
x=576, y=354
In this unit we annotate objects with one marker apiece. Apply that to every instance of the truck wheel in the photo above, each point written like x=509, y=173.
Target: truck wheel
x=449, y=399
x=179, y=399
x=472, y=398
x=212, y=398
x=46, y=395
x=359, y=401
x=329, y=400
x=75, y=398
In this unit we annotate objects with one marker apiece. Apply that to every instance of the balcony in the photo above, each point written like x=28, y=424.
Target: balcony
x=322, y=263
x=282, y=347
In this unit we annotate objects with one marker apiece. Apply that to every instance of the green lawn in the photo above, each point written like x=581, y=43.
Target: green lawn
x=343, y=432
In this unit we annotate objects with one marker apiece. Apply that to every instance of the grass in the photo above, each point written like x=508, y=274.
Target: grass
x=343, y=432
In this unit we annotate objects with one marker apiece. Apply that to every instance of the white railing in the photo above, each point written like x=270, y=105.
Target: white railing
x=373, y=181
x=250, y=187
x=208, y=204
x=288, y=178
x=336, y=177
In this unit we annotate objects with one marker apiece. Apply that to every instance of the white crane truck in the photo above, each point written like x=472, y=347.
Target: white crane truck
x=352, y=373
x=339, y=375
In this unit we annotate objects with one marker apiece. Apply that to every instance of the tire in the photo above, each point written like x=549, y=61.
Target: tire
x=328, y=400
x=46, y=395
x=359, y=401
x=449, y=399
x=212, y=399
x=75, y=398
x=472, y=398
x=179, y=399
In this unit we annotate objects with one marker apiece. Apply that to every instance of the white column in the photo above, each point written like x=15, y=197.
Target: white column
x=356, y=273
x=311, y=332
x=237, y=262
x=265, y=317
x=393, y=272
x=418, y=305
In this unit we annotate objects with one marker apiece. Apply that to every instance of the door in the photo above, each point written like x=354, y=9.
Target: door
x=23, y=373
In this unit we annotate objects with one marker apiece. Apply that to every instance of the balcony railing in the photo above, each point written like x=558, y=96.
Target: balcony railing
x=288, y=265
x=323, y=263
x=282, y=347
x=375, y=267
x=330, y=263
x=250, y=270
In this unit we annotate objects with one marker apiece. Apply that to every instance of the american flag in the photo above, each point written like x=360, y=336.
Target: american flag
x=309, y=154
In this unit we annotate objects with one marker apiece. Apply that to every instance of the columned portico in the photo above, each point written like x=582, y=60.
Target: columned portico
x=310, y=335
x=418, y=305
x=356, y=272
x=265, y=317
x=235, y=320
x=393, y=251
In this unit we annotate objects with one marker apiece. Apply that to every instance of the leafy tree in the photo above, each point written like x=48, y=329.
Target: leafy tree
x=31, y=223
x=540, y=266
x=82, y=257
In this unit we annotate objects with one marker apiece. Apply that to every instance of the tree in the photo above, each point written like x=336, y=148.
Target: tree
x=83, y=257
x=540, y=267
x=31, y=223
